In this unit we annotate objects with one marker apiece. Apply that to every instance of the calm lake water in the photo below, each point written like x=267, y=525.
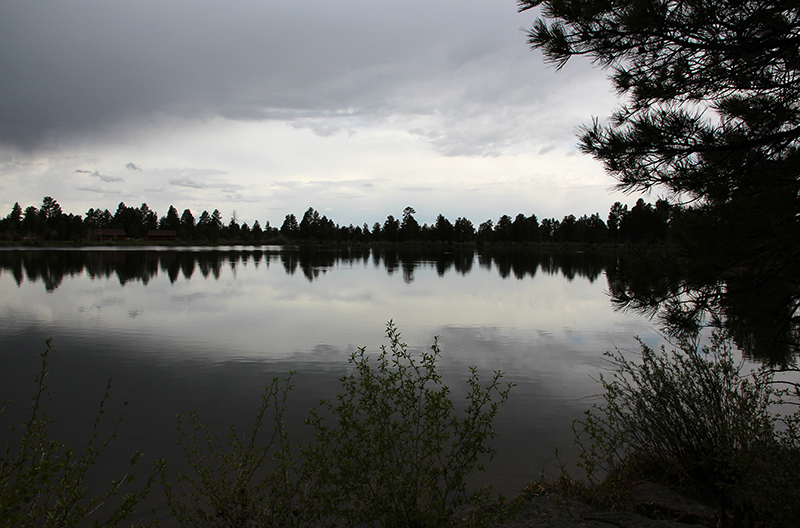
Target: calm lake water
x=194, y=328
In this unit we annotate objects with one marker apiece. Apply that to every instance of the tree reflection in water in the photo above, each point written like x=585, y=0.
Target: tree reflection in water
x=51, y=266
x=758, y=310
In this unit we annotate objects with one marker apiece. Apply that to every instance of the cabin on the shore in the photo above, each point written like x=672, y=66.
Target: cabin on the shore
x=111, y=235
x=162, y=234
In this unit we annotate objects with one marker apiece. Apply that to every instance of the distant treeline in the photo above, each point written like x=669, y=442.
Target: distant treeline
x=644, y=222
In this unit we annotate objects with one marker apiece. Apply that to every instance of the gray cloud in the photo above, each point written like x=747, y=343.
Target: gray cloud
x=101, y=177
x=547, y=148
x=77, y=69
x=106, y=179
x=97, y=190
x=417, y=189
x=186, y=182
x=397, y=95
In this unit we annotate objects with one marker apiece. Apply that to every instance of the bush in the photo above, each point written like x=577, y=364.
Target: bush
x=390, y=451
x=255, y=480
x=398, y=453
x=42, y=480
x=694, y=419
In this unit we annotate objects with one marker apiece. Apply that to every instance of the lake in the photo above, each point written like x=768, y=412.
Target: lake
x=205, y=329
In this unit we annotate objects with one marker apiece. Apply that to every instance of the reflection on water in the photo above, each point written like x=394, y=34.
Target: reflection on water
x=51, y=267
x=757, y=308
x=204, y=329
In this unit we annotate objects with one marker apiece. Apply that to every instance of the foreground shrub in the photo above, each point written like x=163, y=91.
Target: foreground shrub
x=43, y=480
x=694, y=419
x=394, y=448
x=391, y=450
x=252, y=480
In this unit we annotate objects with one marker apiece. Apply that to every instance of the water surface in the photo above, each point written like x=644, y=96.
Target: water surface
x=204, y=329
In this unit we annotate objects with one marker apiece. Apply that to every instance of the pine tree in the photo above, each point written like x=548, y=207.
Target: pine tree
x=711, y=116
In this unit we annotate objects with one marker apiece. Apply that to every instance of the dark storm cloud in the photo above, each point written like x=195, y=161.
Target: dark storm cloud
x=72, y=69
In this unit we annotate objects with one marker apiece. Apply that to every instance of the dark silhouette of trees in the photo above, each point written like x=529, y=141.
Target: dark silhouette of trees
x=644, y=223
x=310, y=224
x=130, y=219
x=50, y=223
x=486, y=230
x=97, y=219
x=245, y=233
x=258, y=233
x=171, y=220
x=566, y=230
x=11, y=225
x=526, y=229
x=677, y=63
x=32, y=224
x=443, y=230
x=52, y=214
x=711, y=115
x=503, y=230
x=594, y=230
x=202, y=228
x=377, y=232
x=314, y=226
x=215, y=226
x=615, y=216
x=149, y=217
x=290, y=228
x=209, y=226
x=233, y=229
x=391, y=229
x=187, y=224
x=464, y=230
x=216, y=220
x=409, y=228
x=15, y=216
x=549, y=228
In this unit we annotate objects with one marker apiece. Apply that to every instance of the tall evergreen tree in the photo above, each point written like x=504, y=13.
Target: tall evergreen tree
x=14, y=218
x=50, y=208
x=391, y=228
x=187, y=224
x=171, y=220
x=464, y=230
x=32, y=223
x=149, y=217
x=409, y=227
x=443, y=229
x=712, y=116
x=290, y=227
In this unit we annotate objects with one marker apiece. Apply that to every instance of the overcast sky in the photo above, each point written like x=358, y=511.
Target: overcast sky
x=357, y=108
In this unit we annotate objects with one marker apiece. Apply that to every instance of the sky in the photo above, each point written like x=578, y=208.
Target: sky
x=357, y=108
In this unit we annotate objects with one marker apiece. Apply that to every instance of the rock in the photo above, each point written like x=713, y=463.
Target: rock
x=554, y=511
x=659, y=502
